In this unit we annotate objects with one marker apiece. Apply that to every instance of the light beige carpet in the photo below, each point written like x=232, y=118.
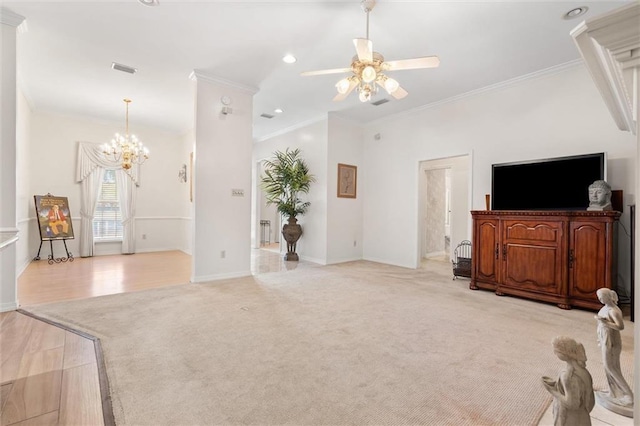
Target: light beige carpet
x=353, y=344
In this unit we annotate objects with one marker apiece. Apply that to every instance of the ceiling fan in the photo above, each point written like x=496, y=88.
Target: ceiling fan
x=368, y=68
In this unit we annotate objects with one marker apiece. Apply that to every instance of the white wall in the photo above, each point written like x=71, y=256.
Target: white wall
x=312, y=141
x=556, y=114
x=162, y=202
x=344, y=215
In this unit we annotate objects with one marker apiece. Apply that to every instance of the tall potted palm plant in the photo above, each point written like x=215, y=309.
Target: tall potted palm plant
x=286, y=176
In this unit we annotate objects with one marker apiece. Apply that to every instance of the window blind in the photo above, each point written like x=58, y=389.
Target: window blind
x=107, y=221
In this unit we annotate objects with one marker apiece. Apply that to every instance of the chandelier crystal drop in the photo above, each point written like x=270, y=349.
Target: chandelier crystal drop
x=126, y=148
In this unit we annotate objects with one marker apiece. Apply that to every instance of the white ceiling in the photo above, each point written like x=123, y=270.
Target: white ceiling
x=65, y=55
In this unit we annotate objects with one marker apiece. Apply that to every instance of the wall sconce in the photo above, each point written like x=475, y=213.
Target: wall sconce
x=182, y=174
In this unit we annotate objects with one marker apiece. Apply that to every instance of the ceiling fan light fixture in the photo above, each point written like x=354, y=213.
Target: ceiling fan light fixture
x=289, y=59
x=343, y=85
x=365, y=92
x=368, y=74
x=391, y=85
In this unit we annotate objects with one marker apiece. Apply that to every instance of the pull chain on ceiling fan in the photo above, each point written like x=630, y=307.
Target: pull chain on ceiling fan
x=368, y=67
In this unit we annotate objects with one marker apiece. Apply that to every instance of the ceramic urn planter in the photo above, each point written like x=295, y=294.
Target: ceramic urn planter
x=291, y=232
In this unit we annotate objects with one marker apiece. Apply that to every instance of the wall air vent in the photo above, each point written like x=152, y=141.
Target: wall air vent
x=265, y=115
x=380, y=102
x=123, y=68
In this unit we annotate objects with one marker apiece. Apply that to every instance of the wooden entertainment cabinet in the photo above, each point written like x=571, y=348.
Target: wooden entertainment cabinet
x=561, y=257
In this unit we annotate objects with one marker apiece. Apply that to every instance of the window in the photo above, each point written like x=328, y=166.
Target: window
x=107, y=221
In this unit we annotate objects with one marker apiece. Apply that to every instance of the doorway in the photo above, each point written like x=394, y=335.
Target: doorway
x=266, y=219
x=443, y=203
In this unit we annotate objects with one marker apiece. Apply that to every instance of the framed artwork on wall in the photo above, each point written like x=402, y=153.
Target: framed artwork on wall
x=347, y=180
x=54, y=217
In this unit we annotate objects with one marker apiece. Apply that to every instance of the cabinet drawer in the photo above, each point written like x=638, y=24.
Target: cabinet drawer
x=533, y=231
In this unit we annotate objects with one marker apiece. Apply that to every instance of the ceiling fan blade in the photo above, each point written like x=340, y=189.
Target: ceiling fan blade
x=342, y=96
x=399, y=93
x=412, y=64
x=324, y=72
x=364, y=48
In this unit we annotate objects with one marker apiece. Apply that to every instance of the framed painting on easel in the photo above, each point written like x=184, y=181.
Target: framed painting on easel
x=54, y=217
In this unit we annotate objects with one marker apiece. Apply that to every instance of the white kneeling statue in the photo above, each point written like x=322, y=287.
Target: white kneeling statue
x=619, y=398
x=573, y=389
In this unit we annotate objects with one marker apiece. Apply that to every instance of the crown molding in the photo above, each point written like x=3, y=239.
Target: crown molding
x=200, y=75
x=8, y=17
x=292, y=128
x=610, y=47
x=493, y=87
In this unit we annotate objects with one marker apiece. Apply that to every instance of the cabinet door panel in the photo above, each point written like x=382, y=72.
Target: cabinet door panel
x=587, y=259
x=533, y=267
x=532, y=255
x=485, y=245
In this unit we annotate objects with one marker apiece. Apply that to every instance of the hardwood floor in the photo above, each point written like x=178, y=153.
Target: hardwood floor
x=101, y=275
x=48, y=376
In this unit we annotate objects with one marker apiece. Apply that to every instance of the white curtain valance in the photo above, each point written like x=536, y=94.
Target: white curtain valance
x=90, y=156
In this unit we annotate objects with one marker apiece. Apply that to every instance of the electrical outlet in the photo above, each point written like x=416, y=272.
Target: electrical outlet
x=223, y=254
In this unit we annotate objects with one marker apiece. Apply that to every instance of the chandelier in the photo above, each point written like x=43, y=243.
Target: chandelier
x=126, y=149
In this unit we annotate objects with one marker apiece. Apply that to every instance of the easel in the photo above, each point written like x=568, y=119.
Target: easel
x=51, y=259
x=40, y=201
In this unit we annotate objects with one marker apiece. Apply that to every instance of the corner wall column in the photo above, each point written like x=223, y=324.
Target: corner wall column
x=636, y=337
x=9, y=21
x=222, y=168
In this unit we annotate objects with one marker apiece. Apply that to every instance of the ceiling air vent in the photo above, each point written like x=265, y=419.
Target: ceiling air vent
x=380, y=102
x=265, y=115
x=123, y=68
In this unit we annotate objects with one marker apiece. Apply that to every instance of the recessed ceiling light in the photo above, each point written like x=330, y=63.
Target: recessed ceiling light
x=278, y=110
x=150, y=2
x=574, y=13
x=289, y=59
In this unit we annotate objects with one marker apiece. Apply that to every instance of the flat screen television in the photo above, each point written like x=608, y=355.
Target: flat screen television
x=560, y=183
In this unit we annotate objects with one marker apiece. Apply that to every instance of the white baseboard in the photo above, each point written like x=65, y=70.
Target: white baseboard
x=22, y=268
x=334, y=262
x=311, y=259
x=8, y=306
x=435, y=254
x=155, y=249
x=217, y=277
x=386, y=262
